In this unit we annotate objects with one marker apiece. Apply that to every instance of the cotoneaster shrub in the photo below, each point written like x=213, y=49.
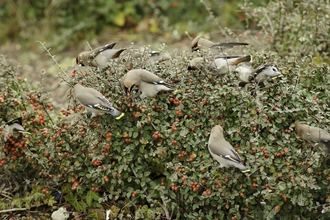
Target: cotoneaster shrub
x=292, y=27
x=154, y=162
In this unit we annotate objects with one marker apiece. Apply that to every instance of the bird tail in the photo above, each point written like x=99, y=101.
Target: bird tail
x=228, y=44
x=107, y=46
x=243, y=168
x=192, y=68
x=117, y=54
x=120, y=116
x=326, y=142
x=242, y=59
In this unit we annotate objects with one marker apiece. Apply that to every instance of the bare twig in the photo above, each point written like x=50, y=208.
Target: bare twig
x=214, y=18
x=164, y=205
x=152, y=124
x=134, y=171
x=5, y=194
x=13, y=210
x=57, y=64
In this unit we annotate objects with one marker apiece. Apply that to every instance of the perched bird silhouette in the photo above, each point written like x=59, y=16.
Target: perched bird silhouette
x=200, y=43
x=147, y=82
x=222, y=151
x=259, y=75
x=313, y=134
x=95, y=102
x=13, y=126
x=157, y=56
x=99, y=57
x=222, y=64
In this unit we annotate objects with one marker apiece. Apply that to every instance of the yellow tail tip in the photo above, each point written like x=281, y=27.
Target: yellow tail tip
x=120, y=116
x=176, y=91
x=246, y=171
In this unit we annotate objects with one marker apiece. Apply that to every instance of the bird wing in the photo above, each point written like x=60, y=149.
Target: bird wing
x=227, y=153
x=99, y=50
x=103, y=105
x=162, y=83
x=154, y=81
x=95, y=101
x=16, y=120
x=234, y=157
x=259, y=70
x=107, y=46
x=228, y=157
x=19, y=128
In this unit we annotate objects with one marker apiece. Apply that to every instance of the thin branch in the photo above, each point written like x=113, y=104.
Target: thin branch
x=164, y=206
x=214, y=18
x=3, y=193
x=57, y=64
x=133, y=171
x=152, y=124
x=13, y=210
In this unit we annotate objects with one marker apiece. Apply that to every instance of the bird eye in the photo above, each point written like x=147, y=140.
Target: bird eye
x=274, y=69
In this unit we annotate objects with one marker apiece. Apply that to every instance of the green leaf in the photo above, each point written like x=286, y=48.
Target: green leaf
x=119, y=20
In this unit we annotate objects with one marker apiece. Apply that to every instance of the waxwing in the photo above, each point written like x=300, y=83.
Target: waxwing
x=148, y=83
x=223, y=64
x=200, y=43
x=99, y=57
x=13, y=126
x=222, y=151
x=95, y=102
x=259, y=75
x=313, y=134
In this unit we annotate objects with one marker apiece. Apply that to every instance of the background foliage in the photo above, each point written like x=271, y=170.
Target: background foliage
x=154, y=162
x=66, y=23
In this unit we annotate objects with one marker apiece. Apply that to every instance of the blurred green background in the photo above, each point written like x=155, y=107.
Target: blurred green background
x=66, y=23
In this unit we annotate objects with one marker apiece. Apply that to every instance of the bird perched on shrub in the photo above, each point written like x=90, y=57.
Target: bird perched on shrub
x=153, y=57
x=99, y=57
x=222, y=64
x=157, y=56
x=259, y=75
x=95, y=102
x=313, y=134
x=15, y=125
x=147, y=82
x=222, y=151
x=200, y=43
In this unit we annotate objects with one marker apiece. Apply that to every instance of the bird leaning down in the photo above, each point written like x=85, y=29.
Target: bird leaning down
x=259, y=75
x=313, y=134
x=95, y=102
x=99, y=57
x=222, y=64
x=222, y=151
x=200, y=43
x=157, y=56
x=147, y=82
x=13, y=126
